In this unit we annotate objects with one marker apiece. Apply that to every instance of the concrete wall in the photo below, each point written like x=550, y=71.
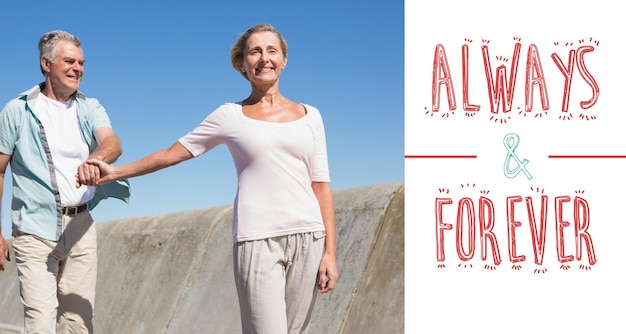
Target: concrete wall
x=173, y=273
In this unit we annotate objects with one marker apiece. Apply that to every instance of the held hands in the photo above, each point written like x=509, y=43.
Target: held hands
x=94, y=172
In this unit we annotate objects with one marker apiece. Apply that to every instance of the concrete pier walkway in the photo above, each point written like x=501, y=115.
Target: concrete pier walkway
x=173, y=273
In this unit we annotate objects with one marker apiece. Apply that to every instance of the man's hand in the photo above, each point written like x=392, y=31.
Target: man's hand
x=94, y=172
x=4, y=252
x=87, y=174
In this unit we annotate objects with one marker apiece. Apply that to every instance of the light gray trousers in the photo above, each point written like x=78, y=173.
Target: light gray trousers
x=276, y=282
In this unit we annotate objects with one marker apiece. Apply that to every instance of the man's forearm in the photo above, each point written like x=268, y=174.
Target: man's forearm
x=108, y=151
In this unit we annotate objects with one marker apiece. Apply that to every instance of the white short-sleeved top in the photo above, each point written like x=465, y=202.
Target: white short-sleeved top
x=275, y=162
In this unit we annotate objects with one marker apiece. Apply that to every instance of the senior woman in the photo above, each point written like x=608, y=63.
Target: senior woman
x=283, y=223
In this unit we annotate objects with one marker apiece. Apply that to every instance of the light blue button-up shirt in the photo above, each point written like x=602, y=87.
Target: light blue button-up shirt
x=36, y=206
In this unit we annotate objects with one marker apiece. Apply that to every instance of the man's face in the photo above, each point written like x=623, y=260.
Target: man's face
x=66, y=71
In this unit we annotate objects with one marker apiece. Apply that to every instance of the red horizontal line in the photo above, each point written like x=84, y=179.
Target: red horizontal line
x=439, y=156
x=586, y=156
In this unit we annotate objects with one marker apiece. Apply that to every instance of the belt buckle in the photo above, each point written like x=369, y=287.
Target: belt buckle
x=73, y=210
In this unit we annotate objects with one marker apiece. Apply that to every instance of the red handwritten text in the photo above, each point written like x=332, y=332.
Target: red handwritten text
x=501, y=84
x=475, y=223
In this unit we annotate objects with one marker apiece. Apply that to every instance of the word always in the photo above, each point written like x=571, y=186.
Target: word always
x=501, y=86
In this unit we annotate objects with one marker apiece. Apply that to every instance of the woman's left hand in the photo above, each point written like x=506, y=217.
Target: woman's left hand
x=328, y=274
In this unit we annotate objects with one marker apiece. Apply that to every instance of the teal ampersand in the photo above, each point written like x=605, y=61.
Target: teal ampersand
x=511, y=141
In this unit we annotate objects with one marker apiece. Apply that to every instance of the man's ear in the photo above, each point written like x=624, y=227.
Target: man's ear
x=45, y=64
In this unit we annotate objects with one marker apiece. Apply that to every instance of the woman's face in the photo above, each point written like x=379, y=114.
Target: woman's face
x=263, y=58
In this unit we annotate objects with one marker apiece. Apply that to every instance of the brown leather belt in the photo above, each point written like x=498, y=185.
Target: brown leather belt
x=73, y=210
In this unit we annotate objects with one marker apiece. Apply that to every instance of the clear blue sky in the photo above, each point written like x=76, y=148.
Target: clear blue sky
x=159, y=67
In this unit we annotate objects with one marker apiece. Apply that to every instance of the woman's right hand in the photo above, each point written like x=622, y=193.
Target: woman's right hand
x=94, y=172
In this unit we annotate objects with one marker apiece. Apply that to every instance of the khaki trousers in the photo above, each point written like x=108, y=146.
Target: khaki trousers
x=58, y=279
x=276, y=282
